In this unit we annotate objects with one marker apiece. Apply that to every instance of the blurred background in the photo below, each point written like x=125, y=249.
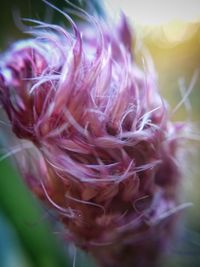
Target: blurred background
x=170, y=32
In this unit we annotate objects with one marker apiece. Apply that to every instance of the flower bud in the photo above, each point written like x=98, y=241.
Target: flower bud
x=104, y=149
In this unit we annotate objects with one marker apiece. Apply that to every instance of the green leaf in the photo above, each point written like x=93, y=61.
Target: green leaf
x=23, y=211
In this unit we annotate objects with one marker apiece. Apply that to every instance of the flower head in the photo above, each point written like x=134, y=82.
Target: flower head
x=105, y=150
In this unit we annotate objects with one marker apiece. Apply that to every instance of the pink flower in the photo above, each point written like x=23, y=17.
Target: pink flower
x=105, y=150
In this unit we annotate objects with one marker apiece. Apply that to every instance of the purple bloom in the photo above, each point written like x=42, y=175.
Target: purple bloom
x=105, y=150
